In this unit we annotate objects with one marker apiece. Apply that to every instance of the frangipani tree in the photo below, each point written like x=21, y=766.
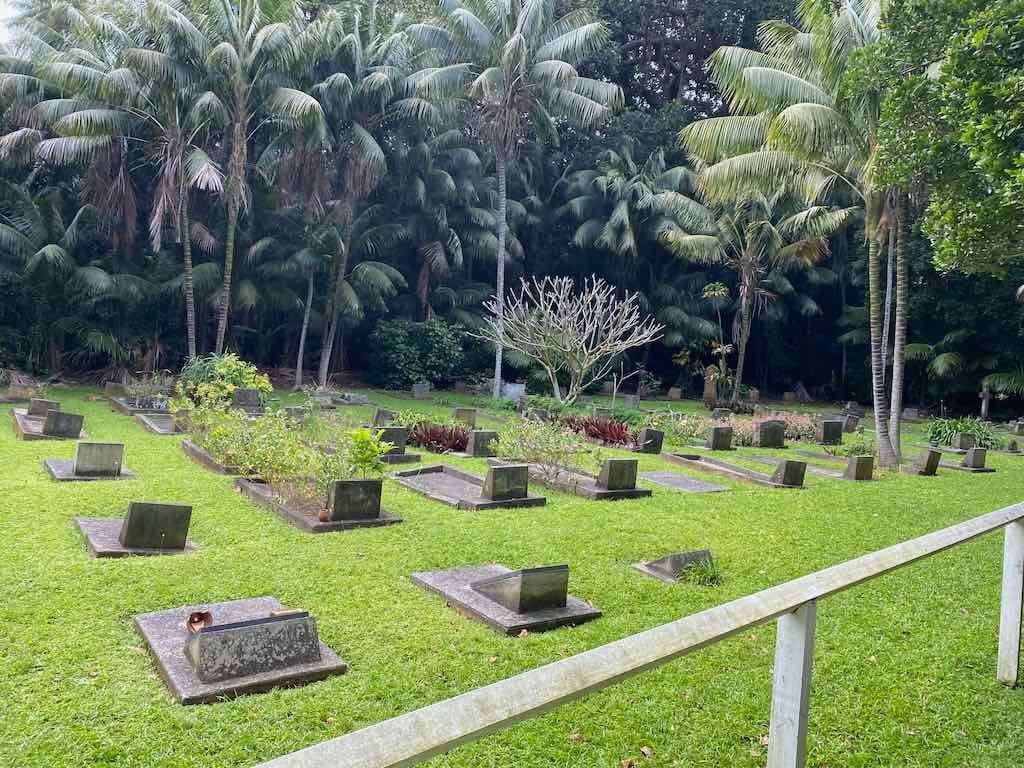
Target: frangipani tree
x=516, y=63
x=578, y=334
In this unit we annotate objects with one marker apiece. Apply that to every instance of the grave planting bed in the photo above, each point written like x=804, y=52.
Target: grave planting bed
x=201, y=456
x=304, y=513
x=892, y=671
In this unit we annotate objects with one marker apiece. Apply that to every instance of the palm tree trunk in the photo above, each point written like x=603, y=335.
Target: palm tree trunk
x=886, y=456
x=339, y=262
x=423, y=289
x=890, y=269
x=900, y=331
x=499, y=289
x=187, y=283
x=745, y=310
x=302, y=334
x=235, y=191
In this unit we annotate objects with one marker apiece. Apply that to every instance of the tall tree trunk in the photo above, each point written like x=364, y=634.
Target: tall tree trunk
x=499, y=290
x=423, y=289
x=301, y=357
x=900, y=330
x=332, y=315
x=886, y=456
x=235, y=190
x=187, y=283
x=745, y=311
x=890, y=270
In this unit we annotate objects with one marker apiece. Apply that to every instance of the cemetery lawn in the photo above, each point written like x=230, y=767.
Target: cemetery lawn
x=903, y=672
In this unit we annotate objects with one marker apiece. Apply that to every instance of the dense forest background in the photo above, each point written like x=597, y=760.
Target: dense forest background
x=340, y=249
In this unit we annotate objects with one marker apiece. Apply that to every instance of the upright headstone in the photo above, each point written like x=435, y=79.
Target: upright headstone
x=479, y=443
x=1013, y=447
x=830, y=432
x=675, y=393
x=650, y=440
x=672, y=567
x=353, y=499
x=964, y=441
x=63, y=424
x=528, y=590
x=927, y=463
x=540, y=414
x=975, y=458
x=225, y=651
x=753, y=395
x=770, y=434
x=607, y=387
x=248, y=399
x=382, y=417
x=38, y=406
x=631, y=402
x=911, y=414
x=506, y=481
x=99, y=459
x=710, y=385
x=466, y=416
x=850, y=423
x=397, y=436
x=155, y=525
x=790, y=473
x=421, y=390
x=1017, y=428
x=617, y=474
x=859, y=468
x=719, y=439
x=789, y=397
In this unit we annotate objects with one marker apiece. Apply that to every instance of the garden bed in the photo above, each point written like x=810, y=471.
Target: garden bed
x=128, y=408
x=201, y=456
x=304, y=513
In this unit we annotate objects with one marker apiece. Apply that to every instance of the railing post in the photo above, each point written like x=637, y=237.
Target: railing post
x=1010, y=604
x=791, y=689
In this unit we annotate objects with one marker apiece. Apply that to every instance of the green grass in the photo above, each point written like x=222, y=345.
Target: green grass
x=904, y=669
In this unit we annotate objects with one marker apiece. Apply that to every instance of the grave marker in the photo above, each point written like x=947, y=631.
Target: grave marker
x=155, y=525
x=247, y=399
x=671, y=568
x=631, y=402
x=963, y=441
x=770, y=434
x=650, y=440
x=381, y=417
x=618, y=474
x=927, y=463
x=719, y=439
x=467, y=416
x=975, y=458
x=860, y=468
x=506, y=481
x=830, y=432
x=602, y=414
x=528, y=590
x=479, y=443
x=38, y=406
x=850, y=423
x=720, y=413
x=354, y=500
x=99, y=459
x=675, y=393
x=790, y=473
x=421, y=390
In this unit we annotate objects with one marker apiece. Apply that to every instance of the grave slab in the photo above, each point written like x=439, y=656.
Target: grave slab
x=684, y=483
x=398, y=437
x=93, y=461
x=102, y=536
x=671, y=568
x=589, y=487
x=650, y=440
x=927, y=463
x=38, y=406
x=456, y=587
x=465, y=416
x=382, y=417
x=770, y=434
x=973, y=461
x=307, y=520
x=126, y=406
x=166, y=636
x=247, y=399
x=34, y=427
x=459, y=489
x=158, y=423
x=724, y=468
x=201, y=456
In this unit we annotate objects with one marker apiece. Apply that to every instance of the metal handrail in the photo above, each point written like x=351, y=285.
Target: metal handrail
x=411, y=738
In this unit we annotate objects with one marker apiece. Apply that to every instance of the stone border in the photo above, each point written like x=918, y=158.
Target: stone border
x=21, y=421
x=725, y=469
x=262, y=494
x=165, y=636
x=63, y=470
x=586, y=487
x=454, y=586
x=400, y=458
x=696, y=485
x=201, y=456
x=121, y=405
x=102, y=537
x=831, y=474
x=407, y=479
x=146, y=420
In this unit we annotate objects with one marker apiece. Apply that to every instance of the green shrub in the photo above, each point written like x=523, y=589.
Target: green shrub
x=273, y=450
x=358, y=455
x=547, y=445
x=941, y=431
x=221, y=433
x=401, y=353
x=857, y=444
x=409, y=418
x=212, y=380
x=680, y=427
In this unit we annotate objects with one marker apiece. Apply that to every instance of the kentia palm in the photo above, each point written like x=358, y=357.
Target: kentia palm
x=516, y=64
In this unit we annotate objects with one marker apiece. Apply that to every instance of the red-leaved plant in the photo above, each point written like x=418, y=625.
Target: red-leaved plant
x=607, y=431
x=438, y=438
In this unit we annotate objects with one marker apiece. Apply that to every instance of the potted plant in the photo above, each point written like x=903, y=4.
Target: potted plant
x=353, y=477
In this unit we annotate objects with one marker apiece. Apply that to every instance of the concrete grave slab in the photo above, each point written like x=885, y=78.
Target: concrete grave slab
x=38, y=406
x=671, y=568
x=422, y=390
x=126, y=406
x=927, y=463
x=724, y=468
x=275, y=654
x=616, y=482
x=247, y=399
x=158, y=423
x=307, y=519
x=149, y=528
x=963, y=441
x=457, y=587
x=464, y=490
x=56, y=425
x=973, y=461
x=770, y=434
x=684, y=483
x=382, y=417
x=93, y=461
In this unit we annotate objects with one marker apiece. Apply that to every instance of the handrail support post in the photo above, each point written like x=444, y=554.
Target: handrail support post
x=791, y=688
x=1007, y=667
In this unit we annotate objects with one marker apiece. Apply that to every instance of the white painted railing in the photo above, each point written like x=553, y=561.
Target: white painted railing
x=411, y=738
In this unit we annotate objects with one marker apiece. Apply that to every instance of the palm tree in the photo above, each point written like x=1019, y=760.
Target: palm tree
x=757, y=237
x=799, y=119
x=516, y=62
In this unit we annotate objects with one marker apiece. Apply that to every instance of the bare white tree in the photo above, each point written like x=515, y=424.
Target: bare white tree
x=576, y=332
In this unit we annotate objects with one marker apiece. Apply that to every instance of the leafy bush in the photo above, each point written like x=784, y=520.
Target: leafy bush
x=547, y=445
x=680, y=427
x=549, y=404
x=358, y=455
x=273, y=451
x=858, y=444
x=440, y=438
x=409, y=418
x=401, y=353
x=607, y=431
x=213, y=379
x=941, y=431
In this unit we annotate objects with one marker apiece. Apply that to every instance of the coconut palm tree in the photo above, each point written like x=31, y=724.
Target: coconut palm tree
x=800, y=118
x=759, y=238
x=516, y=63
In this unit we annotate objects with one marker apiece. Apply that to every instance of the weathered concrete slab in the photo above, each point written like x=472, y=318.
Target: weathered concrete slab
x=62, y=425
x=724, y=468
x=202, y=456
x=125, y=405
x=39, y=406
x=973, y=461
x=587, y=486
x=102, y=536
x=678, y=482
x=307, y=519
x=458, y=489
x=158, y=423
x=166, y=635
x=671, y=568
x=93, y=461
x=456, y=587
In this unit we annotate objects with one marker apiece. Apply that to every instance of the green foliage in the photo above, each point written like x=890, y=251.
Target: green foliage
x=942, y=431
x=857, y=444
x=357, y=455
x=704, y=573
x=680, y=427
x=410, y=418
x=548, y=445
x=213, y=379
x=272, y=450
x=221, y=433
x=401, y=353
